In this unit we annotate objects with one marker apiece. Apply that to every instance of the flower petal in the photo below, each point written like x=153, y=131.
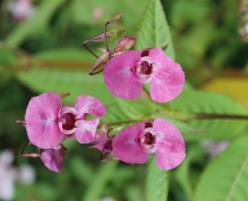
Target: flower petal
x=53, y=159
x=89, y=105
x=86, y=131
x=171, y=147
x=103, y=142
x=126, y=146
x=168, y=78
x=41, y=120
x=119, y=78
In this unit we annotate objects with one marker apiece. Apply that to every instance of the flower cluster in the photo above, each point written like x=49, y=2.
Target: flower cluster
x=126, y=74
x=49, y=123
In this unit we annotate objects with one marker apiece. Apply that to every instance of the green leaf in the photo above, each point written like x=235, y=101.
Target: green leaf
x=154, y=30
x=75, y=82
x=226, y=178
x=39, y=21
x=137, y=109
x=99, y=181
x=181, y=112
x=182, y=173
x=193, y=102
x=156, y=183
x=61, y=77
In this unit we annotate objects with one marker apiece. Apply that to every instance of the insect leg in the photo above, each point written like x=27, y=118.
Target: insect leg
x=113, y=19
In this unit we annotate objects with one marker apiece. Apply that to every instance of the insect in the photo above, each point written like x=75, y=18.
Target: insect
x=125, y=43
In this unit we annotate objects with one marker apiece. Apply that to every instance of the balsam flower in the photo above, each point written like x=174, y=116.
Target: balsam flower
x=73, y=120
x=53, y=159
x=125, y=75
x=48, y=122
x=136, y=142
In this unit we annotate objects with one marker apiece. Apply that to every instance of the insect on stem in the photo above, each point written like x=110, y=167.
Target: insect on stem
x=106, y=38
x=113, y=19
x=100, y=38
x=87, y=48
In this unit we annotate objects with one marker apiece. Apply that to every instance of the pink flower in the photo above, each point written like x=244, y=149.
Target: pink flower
x=48, y=122
x=73, y=120
x=124, y=44
x=41, y=120
x=134, y=143
x=103, y=142
x=125, y=75
x=53, y=159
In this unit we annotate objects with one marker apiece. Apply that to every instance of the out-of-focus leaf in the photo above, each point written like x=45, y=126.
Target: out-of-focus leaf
x=195, y=44
x=225, y=179
x=41, y=191
x=81, y=170
x=183, y=175
x=66, y=55
x=99, y=181
x=7, y=58
x=35, y=24
x=182, y=12
x=156, y=183
x=235, y=87
x=98, y=11
x=154, y=30
x=12, y=101
x=61, y=77
x=133, y=193
x=75, y=82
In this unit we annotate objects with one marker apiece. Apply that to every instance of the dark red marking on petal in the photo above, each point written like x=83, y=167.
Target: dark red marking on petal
x=149, y=139
x=68, y=121
x=145, y=53
x=146, y=68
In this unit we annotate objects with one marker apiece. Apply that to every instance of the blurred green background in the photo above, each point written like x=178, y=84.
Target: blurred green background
x=43, y=52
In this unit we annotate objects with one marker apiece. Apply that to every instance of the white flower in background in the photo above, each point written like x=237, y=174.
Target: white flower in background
x=10, y=174
x=7, y=176
x=107, y=199
x=21, y=9
x=214, y=148
x=26, y=174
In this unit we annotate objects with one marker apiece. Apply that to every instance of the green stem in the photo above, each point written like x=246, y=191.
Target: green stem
x=127, y=122
x=185, y=117
x=209, y=116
